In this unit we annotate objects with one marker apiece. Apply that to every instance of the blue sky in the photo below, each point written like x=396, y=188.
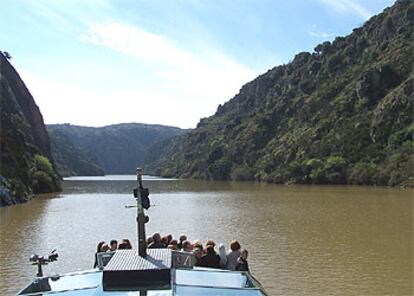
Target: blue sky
x=100, y=62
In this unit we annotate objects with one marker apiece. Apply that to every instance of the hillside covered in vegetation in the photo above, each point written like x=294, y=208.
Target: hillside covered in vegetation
x=26, y=163
x=69, y=159
x=112, y=149
x=340, y=115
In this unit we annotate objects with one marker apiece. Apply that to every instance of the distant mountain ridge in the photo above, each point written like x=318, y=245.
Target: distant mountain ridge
x=26, y=165
x=340, y=115
x=112, y=149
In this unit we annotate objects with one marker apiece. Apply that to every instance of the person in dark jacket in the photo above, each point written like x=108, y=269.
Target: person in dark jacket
x=157, y=243
x=181, y=239
x=211, y=258
x=242, y=264
x=125, y=245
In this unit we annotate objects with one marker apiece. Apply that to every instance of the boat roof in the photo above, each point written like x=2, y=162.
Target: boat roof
x=195, y=281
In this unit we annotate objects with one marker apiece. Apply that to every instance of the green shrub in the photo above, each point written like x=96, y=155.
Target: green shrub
x=363, y=174
x=335, y=169
x=335, y=162
x=318, y=176
x=43, y=164
x=314, y=163
x=42, y=182
x=242, y=174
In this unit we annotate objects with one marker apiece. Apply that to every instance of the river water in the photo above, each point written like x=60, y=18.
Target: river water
x=302, y=240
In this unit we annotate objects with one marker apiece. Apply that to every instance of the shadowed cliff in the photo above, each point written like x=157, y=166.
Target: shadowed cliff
x=26, y=165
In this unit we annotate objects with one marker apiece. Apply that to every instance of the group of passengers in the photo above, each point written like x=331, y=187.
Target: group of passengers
x=234, y=259
x=125, y=244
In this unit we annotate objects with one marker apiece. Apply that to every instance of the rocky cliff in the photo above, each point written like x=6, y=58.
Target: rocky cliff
x=342, y=114
x=26, y=166
x=112, y=149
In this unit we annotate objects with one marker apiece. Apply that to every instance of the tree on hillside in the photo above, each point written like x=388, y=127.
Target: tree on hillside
x=6, y=55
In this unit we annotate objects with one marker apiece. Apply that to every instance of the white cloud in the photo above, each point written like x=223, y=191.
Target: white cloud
x=132, y=41
x=348, y=6
x=189, y=84
x=320, y=34
x=316, y=32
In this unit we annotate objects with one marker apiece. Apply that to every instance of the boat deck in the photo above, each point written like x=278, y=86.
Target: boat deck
x=129, y=274
x=196, y=281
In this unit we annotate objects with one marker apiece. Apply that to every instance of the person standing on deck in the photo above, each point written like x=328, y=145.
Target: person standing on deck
x=233, y=255
x=113, y=245
x=182, y=238
x=100, y=248
x=242, y=264
x=157, y=243
x=210, y=259
x=187, y=246
x=223, y=256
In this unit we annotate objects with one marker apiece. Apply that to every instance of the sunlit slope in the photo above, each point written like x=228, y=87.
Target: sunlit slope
x=342, y=114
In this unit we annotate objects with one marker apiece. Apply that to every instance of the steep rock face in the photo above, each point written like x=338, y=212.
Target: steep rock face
x=342, y=114
x=25, y=148
x=118, y=149
x=27, y=106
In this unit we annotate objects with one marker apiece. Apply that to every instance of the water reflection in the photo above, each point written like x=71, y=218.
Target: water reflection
x=302, y=239
x=20, y=227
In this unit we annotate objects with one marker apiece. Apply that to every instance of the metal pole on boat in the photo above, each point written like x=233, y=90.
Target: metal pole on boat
x=142, y=244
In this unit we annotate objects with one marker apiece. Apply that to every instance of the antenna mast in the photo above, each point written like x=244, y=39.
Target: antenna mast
x=141, y=218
